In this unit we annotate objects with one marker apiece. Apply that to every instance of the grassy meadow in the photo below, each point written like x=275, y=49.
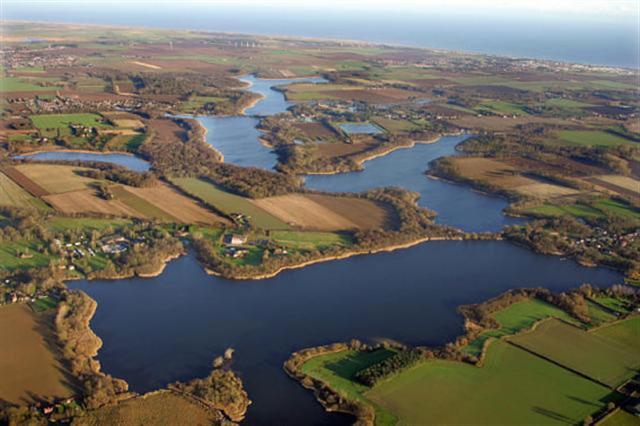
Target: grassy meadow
x=338, y=370
x=517, y=317
x=447, y=392
x=604, y=360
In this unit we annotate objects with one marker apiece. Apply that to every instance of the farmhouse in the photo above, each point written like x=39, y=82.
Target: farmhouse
x=235, y=239
x=115, y=245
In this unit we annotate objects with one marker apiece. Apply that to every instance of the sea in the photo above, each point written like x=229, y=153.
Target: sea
x=579, y=38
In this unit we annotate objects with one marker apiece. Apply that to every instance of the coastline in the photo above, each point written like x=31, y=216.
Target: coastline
x=203, y=139
x=342, y=256
x=44, y=150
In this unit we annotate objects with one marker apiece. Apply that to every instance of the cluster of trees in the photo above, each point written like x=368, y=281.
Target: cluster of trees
x=194, y=157
x=177, y=83
x=221, y=390
x=528, y=142
x=558, y=236
x=121, y=175
x=387, y=367
x=80, y=345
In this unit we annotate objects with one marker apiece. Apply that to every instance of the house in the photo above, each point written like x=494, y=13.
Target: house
x=235, y=239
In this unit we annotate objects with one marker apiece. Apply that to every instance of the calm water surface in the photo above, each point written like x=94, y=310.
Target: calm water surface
x=459, y=206
x=237, y=138
x=456, y=205
x=168, y=328
x=129, y=161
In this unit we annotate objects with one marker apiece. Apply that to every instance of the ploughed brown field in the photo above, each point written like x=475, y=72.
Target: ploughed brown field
x=375, y=96
x=339, y=149
x=505, y=176
x=618, y=185
x=177, y=205
x=315, y=130
x=30, y=369
x=27, y=184
x=327, y=212
x=55, y=178
x=87, y=201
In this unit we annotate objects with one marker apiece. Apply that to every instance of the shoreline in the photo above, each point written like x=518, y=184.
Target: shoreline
x=361, y=161
x=203, y=139
x=77, y=151
x=346, y=255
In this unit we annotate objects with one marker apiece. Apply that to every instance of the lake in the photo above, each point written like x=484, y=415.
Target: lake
x=168, y=328
x=456, y=205
x=236, y=137
x=129, y=161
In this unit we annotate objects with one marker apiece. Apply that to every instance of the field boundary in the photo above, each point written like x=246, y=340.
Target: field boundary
x=24, y=182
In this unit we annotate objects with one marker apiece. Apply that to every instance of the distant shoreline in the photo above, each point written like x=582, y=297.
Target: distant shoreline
x=362, y=42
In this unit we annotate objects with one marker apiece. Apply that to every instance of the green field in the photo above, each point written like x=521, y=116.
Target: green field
x=599, y=315
x=593, y=210
x=501, y=107
x=12, y=195
x=589, y=138
x=515, y=318
x=228, y=203
x=618, y=305
x=62, y=121
x=310, y=240
x=620, y=418
x=395, y=126
x=85, y=224
x=453, y=393
x=10, y=261
x=338, y=371
x=44, y=304
x=565, y=104
x=26, y=84
x=605, y=360
x=625, y=333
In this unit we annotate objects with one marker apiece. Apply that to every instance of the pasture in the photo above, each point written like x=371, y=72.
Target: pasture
x=625, y=333
x=62, y=121
x=310, y=240
x=158, y=408
x=22, y=254
x=327, y=212
x=29, y=364
x=608, y=361
x=449, y=392
x=515, y=318
x=589, y=138
x=27, y=84
x=338, y=370
x=620, y=418
x=228, y=203
x=595, y=209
